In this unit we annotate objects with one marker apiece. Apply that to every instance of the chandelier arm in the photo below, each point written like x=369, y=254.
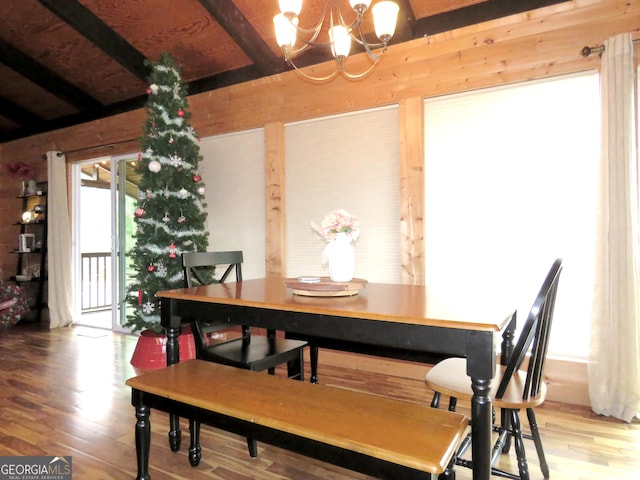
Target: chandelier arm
x=309, y=43
x=358, y=76
x=371, y=45
x=310, y=77
x=310, y=31
x=343, y=22
x=366, y=46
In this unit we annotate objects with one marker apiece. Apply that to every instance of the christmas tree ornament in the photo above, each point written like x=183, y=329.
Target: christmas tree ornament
x=161, y=270
x=139, y=212
x=171, y=141
x=181, y=113
x=196, y=178
x=166, y=218
x=148, y=308
x=172, y=251
x=166, y=192
x=151, y=267
x=183, y=193
x=201, y=190
x=154, y=166
x=182, y=219
x=149, y=193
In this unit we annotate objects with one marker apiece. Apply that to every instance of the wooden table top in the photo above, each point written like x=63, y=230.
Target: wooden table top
x=412, y=304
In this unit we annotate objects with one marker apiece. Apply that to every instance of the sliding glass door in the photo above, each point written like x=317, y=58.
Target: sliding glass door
x=106, y=189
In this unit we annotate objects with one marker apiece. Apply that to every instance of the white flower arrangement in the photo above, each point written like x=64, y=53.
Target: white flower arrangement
x=337, y=221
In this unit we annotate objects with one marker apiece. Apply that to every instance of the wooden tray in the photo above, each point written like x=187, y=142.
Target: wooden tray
x=325, y=287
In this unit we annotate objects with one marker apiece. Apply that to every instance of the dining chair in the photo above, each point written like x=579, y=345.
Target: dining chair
x=517, y=385
x=215, y=338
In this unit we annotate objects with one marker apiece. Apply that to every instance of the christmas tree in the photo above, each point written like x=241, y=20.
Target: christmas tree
x=170, y=215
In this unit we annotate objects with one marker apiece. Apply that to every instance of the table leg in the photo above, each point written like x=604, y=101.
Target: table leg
x=481, y=367
x=173, y=356
x=481, y=420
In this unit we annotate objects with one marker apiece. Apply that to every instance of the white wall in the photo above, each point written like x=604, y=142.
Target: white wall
x=233, y=173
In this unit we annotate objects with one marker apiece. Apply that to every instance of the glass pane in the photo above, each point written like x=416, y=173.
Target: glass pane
x=93, y=233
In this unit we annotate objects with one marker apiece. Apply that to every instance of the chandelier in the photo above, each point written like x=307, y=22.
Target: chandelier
x=340, y=32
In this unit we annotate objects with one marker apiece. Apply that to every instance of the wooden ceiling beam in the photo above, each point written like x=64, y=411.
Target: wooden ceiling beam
x=100, y=34
x=240, y=30
x=474, y=14
x=19, y=114
x=48, y=80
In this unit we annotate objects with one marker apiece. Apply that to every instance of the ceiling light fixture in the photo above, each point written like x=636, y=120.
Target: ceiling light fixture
x=385, y=14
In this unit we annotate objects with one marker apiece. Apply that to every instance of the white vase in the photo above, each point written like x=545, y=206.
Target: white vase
x=342, y=259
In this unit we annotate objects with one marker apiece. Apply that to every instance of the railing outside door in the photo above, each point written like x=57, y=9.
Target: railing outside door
x=96, y=281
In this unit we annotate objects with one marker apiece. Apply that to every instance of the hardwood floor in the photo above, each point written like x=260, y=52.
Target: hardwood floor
x=63, y=393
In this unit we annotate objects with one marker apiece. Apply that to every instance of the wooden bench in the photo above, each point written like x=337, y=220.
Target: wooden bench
x=375, y=435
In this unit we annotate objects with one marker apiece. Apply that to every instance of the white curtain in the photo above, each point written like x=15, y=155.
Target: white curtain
x=58, y=243
x=614, y=367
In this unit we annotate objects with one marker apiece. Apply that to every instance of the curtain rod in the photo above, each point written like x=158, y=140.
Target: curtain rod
x=94, y=147
x=586, y=51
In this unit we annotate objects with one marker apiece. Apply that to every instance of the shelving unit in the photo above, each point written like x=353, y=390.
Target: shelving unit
x=31, y=249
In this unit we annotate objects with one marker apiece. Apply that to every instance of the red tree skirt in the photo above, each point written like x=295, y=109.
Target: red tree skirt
x=151, y=349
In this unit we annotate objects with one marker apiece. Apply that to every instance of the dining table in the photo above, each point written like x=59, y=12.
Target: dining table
x=414, y=321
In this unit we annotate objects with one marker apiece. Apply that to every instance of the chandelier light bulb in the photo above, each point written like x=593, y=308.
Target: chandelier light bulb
x=285, y=31
x=340, y=42
x=385, y=16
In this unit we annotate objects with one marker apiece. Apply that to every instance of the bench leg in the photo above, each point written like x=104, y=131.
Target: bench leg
x=175, y=434
x=143, y=441
x=449, y=473
x=314, y=352
x=252, y=444
x=195, y=451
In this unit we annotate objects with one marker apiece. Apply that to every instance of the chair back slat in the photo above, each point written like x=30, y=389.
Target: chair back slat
x=539, y=350
x=194, y=262
x=198, y=270
x=534, y=338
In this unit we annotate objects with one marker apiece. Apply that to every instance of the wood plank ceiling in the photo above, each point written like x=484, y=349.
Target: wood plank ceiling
x=64, y=62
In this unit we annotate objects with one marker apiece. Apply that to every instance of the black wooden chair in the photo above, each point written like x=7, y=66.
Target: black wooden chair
x=513, y=389
x=236, y=349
